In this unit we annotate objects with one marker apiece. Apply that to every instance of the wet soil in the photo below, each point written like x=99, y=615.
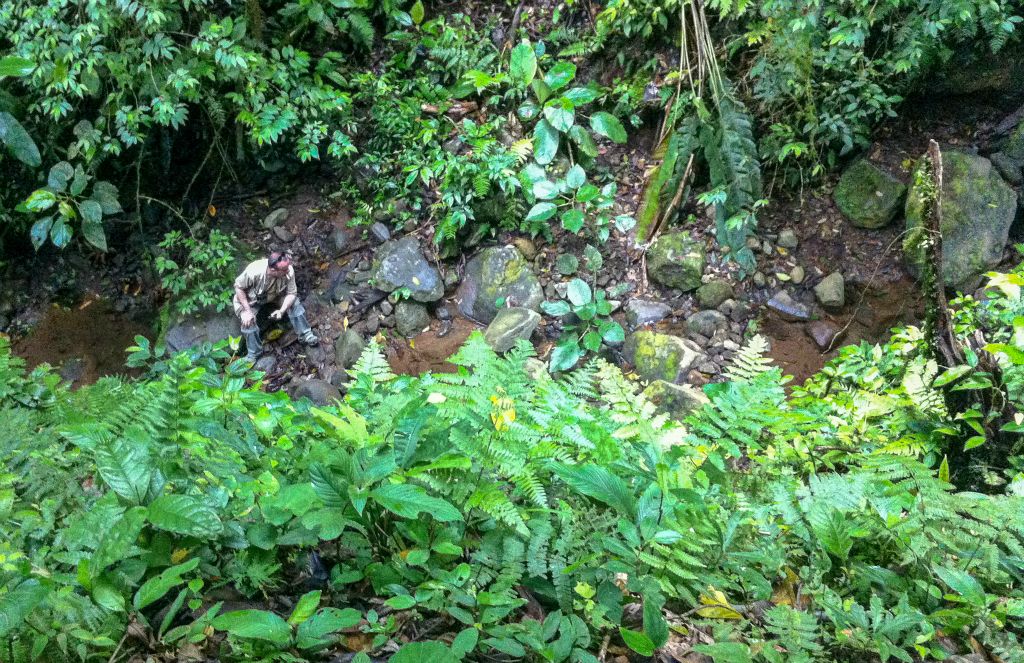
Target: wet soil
x=870, y=317
x=429, y=351
x=85, y=341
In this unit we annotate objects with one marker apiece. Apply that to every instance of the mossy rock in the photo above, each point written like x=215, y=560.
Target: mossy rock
x=868, y=196
x=660, y=356
x=978, y=208
x=676, y=260
x=675, y=400
x=498, y=273
x=401, y=264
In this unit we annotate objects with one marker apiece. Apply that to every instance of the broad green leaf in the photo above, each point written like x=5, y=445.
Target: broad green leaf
x=422, y=652
x=579, y=292
x=184, y=514
x=560, y=75
x=403, y=602
x=18, y=142
x=962, y=583
x=105, y=194
x=59, y=176
x=583, y=140
x=581, y=95
x=119, y=540
x=624, y=223
x=587, y=193
x=576, y=177
x=108, y=596
x=655, y=626
x=40, y=200
x=560, y=114
x=556, y=308
x=92, y=224
x=564, y=356
x=573, y=220
x=465, y=641
x=545, y=142
x=40, y=231
x=545, y=190
x=613, y=333
x=638, y=642
x=126, y=467
x=60, y=233
x=314, y=632
x=944, y=470
x=592, y=341
x=18, y=603
x=541, y=212
x=254, y=625
x=156, y=587
x=601, y=484
x=304, y=609
x=408, y=500
x=951, y=375
x=14, y=66
x=523, y=63
x=416, y=13
x=507, y=646
x=607, y=125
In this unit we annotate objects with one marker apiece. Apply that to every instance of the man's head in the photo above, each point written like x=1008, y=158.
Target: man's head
x=277, y=264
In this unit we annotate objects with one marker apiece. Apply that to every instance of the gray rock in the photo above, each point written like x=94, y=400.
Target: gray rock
x=339, y=241
x=675, y=400
x=660, y=356
x=411, y=318
x=796, y=275
x=386, y=307
x=498, y=273
x=978, y=208
x=642, y=312
x=275, y=218
x=706, y=323
x=266, y=363
x=401, y=264
x=371, y=324
x=759, y=279
x=788, y=239
x=380, y=232
x=676, y=260
x=714, y=292
x=347, y=348
x=787, y=307
x=536, y=370
x=1009, y=168
x=443, y=313
x=868, y=196
x=207, y=327
x=824, y=333
x=320, y=392
x=831, y=291
x=510, y=325
x=283, y=234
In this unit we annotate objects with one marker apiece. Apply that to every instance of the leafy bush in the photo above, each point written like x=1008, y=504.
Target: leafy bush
x=197, y=273
x=814, y=526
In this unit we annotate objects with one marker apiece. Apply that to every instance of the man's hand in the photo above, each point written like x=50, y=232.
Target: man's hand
x=278, y=314
x=248, y=320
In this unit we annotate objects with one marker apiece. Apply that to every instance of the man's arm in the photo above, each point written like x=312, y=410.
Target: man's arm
x=248, y=318
x=285, y=305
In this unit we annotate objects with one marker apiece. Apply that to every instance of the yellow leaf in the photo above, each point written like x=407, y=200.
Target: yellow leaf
x=274, y=334
x=211, y=210
x=178, y=555
x=785, y=592
x=415, y=281
x=717, y=606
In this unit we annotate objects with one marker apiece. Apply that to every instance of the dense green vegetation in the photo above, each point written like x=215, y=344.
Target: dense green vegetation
x=516, y=509
x=490, y=513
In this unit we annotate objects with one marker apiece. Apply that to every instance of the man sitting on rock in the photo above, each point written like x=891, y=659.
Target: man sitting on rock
x=269, y=281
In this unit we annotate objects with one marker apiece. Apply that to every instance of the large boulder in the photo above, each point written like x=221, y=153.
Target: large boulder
x=209, y=326
x=677, y=261
x=675, y=400
x=660, y=356
x=498, y=273
x=320, y=392
x=510, y=325
x=401, y=264
x=978, y=208
x=868, y=196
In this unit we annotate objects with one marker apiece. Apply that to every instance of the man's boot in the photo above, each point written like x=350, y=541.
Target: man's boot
x=253, y=343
